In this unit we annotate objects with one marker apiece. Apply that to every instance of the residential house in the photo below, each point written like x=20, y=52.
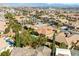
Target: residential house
x=20, y=18
x=60, y=38
x=46, y=30
x=2, y=26
x=74, y=38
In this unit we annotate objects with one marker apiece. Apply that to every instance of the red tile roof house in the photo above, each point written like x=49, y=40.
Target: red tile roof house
x=46, y=30
x=73, y=39
x=60, y=38
x=2, y=26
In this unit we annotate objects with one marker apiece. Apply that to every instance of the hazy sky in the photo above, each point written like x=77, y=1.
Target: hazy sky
x=39, y=1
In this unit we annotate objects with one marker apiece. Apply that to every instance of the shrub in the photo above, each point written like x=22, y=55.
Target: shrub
x=39, y=41
x=6, y=30
x=63, y=45
x=5, y=53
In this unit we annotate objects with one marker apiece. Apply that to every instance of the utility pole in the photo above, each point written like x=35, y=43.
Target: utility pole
x=53, y=44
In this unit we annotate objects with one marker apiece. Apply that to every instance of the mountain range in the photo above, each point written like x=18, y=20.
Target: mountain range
x=63, y=5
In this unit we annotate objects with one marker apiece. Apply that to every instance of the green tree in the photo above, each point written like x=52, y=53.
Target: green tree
x=15, y=26
x=5, y=53
x=26, y=38
x=24, y=12
x=63, y=45
x=39, y=41
x=9, y=16
x=17, y=40
x=7, y=30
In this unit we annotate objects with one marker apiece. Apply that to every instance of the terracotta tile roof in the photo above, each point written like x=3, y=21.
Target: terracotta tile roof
x=61, y=38
x=73, y=38
x=46, y=30
x=2, y=26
